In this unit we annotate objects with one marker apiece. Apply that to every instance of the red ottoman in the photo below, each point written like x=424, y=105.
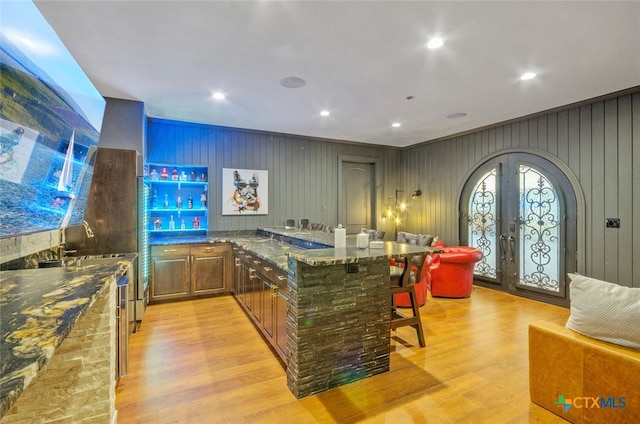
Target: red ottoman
x=454, y=276
x=402, y=299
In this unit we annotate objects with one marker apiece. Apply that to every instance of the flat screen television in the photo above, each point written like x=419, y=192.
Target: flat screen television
x=50, y=121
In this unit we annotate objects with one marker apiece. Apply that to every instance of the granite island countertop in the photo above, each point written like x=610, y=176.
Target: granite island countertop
x=38, y=309
x=268, y=245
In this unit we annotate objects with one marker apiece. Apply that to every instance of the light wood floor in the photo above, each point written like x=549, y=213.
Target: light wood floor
x=202, y=361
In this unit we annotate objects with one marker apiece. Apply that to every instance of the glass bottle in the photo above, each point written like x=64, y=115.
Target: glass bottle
x=174, y=175
x=157, y=224
x=154, y=200
x=166, y=201
x=183, y=176
x=179, y=202
x=154, y=174
x=190, y=202
x=164, y=174
x=172, y=223
x=182, y=225
x=203, y=199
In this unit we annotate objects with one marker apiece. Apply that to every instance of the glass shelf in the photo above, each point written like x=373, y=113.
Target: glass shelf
x=173, y=184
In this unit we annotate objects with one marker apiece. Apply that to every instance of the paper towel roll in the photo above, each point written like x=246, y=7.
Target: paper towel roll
x=340, y=237
x=362, y=240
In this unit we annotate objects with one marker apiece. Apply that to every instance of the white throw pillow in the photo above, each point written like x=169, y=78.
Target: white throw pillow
x=605, y=311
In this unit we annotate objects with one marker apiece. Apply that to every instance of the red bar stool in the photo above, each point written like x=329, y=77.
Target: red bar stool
x=431, y=262
x=403, y=281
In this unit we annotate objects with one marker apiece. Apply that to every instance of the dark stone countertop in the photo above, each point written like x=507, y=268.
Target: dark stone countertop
x=38, y=309
x=276, y=252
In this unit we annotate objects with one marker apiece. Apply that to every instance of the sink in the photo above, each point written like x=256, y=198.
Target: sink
x=75, y=262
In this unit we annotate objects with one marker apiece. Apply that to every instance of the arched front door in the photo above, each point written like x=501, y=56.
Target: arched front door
x=520, y=210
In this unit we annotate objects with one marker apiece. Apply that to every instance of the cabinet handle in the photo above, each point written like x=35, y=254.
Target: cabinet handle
x=257, y=262
x=252, y=273
x=281, y=277
x=208, y=249
x=267, y=268
x=169, y=250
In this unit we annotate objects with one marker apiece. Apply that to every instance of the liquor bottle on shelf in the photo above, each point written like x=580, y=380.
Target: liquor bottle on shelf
x=154, y=175
x=183, y=176
x=154, y=200
x=157, y=224
x=166, y=201
x=196, y=222
x=203, y=177
x=182, y=225
x=179, y=202
x=190, y=202
x=192, y=177
x=172, y=223
x=174, y=175
x=164, y=174
x=203, y=200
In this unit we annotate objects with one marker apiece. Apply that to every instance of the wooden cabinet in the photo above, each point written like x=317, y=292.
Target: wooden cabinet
x=185, y=271
x=262, y=291
x=209, y=266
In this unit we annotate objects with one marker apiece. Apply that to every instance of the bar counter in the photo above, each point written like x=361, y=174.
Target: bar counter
x=39, y=309
x=338, y=315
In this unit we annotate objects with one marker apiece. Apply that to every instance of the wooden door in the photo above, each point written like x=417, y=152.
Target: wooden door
x=357, y=203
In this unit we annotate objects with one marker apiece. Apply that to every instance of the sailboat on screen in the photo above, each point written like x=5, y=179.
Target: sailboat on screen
x=65, y=188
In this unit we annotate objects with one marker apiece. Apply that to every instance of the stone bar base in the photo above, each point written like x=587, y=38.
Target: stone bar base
x=337, y=324
x=78, y=383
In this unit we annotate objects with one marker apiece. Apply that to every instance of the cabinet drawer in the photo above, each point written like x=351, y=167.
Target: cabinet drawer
x=209, y=250
x=171, y=250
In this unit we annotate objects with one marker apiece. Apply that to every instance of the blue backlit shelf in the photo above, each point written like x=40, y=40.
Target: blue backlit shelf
x=177, y=186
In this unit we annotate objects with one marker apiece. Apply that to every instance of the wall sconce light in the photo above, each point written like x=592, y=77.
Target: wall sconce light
x=394, y=211
x=416, y=193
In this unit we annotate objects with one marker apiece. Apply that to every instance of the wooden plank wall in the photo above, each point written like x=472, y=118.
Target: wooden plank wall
x=303, y=172
x=600, y=144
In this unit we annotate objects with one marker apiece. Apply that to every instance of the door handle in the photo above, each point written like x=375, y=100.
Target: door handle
x=512, y=247
x=503, y=246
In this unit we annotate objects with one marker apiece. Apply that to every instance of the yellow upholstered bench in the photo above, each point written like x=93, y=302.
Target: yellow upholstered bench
x=581, y=379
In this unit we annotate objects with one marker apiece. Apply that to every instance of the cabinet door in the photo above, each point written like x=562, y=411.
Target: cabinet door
x=257, y=298
x=169, y=277
x=237, y=275
x=243, y=282
x=268, y=309
x=281, y=305
x=209, y=268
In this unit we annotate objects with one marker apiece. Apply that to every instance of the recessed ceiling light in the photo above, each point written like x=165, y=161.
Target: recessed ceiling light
x=456, y=115
x=435, y=43
x=527, y=76
x=325, y=113
x=218, y=95
x=292, y=82
x=396, y=124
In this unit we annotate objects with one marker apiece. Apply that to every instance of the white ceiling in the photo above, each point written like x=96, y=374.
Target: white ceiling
x=360, y=60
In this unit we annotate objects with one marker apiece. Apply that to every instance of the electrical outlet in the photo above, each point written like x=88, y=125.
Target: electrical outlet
x=613, y=222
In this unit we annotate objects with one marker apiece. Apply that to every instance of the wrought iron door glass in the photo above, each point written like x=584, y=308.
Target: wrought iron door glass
x=539, y=238
x=482, y=223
